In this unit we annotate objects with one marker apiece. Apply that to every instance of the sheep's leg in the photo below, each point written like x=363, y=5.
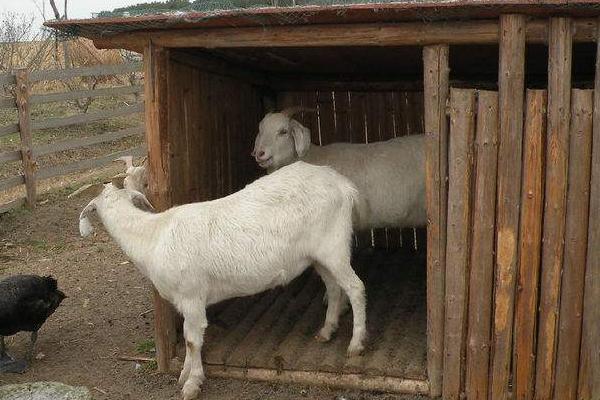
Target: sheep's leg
x=355, y=290
x=334, y=300
x=185, y=371
x=193, y=328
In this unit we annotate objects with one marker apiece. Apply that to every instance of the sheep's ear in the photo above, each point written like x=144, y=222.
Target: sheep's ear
x=301, y=135
x=118, y=180
x=90, y=190
x=140, y=201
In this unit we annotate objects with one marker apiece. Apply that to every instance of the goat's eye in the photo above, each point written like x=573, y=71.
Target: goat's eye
x=283, y=131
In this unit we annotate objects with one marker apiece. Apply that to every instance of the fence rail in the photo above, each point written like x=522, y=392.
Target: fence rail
x=27, y=154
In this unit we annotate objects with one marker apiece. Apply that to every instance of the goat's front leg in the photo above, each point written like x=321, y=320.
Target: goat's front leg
x=193, y=329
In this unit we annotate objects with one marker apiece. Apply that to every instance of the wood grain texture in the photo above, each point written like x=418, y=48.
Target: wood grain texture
x=435, y=82
x=511, y=92
x=530, y=243
x=27, y=157
x=482, y=250
x=589, y=363
x=460, y=165
x=365, y=34
x=559, y=105
x=576, y=232
x=156, y=94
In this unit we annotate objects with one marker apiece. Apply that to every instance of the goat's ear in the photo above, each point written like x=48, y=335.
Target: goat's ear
x=140, y=201
x=301, y=135
x=90, y=190
x=85, y=226
x=118, y=180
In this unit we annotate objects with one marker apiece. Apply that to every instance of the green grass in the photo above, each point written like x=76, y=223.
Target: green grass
x=146, y=346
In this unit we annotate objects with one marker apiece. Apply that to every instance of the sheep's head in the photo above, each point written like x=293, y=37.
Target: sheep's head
x=136, y=178
x=103, y=195
x=281, y=139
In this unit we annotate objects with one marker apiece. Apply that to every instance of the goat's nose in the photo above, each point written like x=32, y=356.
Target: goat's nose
x=261, y=154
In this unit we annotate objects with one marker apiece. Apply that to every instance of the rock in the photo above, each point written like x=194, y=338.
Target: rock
x=44, y=391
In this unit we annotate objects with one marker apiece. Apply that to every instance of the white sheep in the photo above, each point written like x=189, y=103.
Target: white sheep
x=263, y=236
x=389, y=175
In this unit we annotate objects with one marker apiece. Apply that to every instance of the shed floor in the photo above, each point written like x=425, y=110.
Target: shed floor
x=275, y=330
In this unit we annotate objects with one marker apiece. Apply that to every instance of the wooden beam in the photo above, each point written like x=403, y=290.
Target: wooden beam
x=482, y=250
x=373, y=34
x=156, y=94
x=435, y=83
x=460, y=165
x=576, y=232
x=27, y=157
x=559, y=106
x=589, y=364
x=511, y=82
x=530, y=244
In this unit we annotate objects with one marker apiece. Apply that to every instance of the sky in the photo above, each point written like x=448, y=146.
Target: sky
x=75, y=8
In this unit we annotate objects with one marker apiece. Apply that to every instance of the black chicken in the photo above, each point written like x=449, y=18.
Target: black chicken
x=26, y=301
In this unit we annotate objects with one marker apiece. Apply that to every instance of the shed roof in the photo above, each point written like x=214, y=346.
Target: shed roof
x=398, y=11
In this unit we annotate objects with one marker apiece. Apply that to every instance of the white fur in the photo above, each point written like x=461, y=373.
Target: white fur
x=136, y=177
x=390, y=175
x=260, y=237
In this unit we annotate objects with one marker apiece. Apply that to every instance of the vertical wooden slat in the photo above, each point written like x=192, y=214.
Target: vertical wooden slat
x=156, y=95
x=29, y=165
x=482, y=250
x=559, y=100
x=326, y=117
x=576, y=231
x=436, y=71
x=462, y=130
x=589, y=364
x=511, y=92
x=530, y=243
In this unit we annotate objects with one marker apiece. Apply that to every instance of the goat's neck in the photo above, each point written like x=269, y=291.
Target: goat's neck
x=133, y=229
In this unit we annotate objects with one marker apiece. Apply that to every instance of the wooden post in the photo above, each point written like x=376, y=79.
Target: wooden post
x=530, y=243
x=28, y=160
x=156, y=63
x=460, y=165
x=482, y=251
x=576, y=231
x=559, y=100
x=435, y=60
x=589, y=364
x=511, y=91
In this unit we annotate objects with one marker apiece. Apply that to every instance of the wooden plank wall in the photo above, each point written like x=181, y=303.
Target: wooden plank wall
x=363, y=117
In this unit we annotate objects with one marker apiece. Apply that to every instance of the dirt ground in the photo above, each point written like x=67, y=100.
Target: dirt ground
x=107, y=314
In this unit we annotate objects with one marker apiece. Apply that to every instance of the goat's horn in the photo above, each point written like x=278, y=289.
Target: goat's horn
x=291, y=111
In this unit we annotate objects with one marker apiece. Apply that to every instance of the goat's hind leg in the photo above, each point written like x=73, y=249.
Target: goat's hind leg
x=334, y=305
x=346, y=278
x=193, y=328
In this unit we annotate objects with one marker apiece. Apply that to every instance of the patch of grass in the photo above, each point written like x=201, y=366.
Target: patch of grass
x=39, y=244
x=150, y=366
x=146, y=346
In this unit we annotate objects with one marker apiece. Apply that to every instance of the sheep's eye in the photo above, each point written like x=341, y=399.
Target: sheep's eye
x=283, y=132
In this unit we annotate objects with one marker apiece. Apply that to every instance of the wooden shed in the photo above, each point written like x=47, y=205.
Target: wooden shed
x=504, y=91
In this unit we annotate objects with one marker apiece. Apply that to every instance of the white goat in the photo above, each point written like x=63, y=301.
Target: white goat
x=390, y=175
x=263, y=236
x=136, y=178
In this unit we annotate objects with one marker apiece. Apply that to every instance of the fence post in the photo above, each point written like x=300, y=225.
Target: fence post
x=29, y=165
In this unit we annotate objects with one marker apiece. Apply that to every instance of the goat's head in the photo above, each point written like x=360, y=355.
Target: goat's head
x=281, y=139
x=136, y=178
x=106, y=195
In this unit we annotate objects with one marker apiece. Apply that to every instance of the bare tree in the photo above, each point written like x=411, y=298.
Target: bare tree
x=65, y=45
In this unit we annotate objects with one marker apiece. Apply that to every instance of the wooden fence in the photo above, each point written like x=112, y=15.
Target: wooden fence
x=23, y=100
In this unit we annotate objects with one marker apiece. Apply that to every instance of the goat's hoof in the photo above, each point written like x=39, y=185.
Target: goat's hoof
x=190, y=390
x=355, y=350
x=319, y=337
